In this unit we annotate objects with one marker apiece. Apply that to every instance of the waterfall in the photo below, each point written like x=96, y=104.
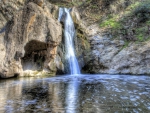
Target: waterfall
x=60, y=14
x=69, y=33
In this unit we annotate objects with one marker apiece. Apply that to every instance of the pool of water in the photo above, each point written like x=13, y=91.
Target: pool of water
x=76, y=94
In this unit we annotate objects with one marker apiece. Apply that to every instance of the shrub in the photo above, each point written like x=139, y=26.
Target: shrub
x=142, y=12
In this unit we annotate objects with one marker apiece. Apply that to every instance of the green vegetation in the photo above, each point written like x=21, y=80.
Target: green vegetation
x=67, y=3
x=142, y=12
x=111, y=23
x=140, y=37
x=140, y=33
x=131, y=23
x=128, y=19
x=125, y=45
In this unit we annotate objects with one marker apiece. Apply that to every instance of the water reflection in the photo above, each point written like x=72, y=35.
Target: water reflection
x=76, y=94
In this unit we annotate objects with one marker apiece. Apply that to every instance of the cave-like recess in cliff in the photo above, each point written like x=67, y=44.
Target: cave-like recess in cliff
x=35, y=55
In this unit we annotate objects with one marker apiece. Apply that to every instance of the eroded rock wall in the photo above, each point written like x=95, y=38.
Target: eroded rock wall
x=32, y=32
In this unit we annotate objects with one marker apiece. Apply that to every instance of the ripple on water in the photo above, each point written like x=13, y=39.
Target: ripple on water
x=85, y=93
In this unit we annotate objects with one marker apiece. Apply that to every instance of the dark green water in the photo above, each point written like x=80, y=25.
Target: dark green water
x=76, y=94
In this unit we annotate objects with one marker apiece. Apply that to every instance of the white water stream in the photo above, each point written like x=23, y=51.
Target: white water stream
x=69, y=34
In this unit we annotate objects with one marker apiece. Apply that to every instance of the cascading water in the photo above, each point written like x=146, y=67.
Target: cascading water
x=69, y=33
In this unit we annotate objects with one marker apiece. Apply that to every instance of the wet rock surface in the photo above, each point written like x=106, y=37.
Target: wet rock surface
x=76, y=94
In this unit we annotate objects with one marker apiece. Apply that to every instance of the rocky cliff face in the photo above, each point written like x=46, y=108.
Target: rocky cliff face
x=118, y=35
x=112, y=37
x=115, y=56
x=29, y=42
